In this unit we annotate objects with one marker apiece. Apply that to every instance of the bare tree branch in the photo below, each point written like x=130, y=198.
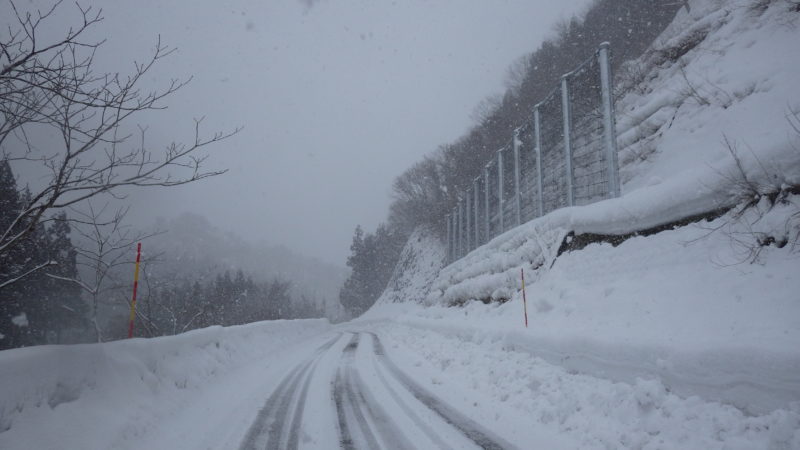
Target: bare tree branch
x=51, y=88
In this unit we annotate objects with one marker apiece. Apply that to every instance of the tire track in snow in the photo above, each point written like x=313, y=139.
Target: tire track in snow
x=362, y=421
x=471, y=429
x=339, y=391
x=418, y=421
x=270, y=429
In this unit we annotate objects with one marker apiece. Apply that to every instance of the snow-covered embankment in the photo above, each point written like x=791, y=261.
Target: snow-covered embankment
x=101, y=395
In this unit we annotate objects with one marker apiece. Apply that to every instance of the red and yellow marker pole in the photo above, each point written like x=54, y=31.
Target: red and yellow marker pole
x=135, y=285
x=524, y=300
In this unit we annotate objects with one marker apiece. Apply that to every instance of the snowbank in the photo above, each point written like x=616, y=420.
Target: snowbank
x=116, y=390
x=506, y=388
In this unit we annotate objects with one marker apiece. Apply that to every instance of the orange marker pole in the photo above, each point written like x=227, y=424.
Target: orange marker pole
x=524, y=300
x=135, y=285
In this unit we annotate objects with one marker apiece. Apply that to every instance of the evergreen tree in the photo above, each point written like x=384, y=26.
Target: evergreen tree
x=9, y=261
x=372, y=261
x=70, y=308
x=36, y=309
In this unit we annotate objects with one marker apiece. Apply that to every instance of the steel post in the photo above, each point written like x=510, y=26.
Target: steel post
x=487, y=210
x=609, y=126
x=517, y=188
x=539, y=173
x=500, y=183
x=565, y=107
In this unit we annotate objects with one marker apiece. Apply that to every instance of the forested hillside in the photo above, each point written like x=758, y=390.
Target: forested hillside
x=70, y=279
x=40, y=307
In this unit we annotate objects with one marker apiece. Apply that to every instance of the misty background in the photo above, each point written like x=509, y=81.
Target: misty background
x=353, y=124
x=336, y=99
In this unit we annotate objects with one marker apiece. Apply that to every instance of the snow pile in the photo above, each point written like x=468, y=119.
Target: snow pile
x=124, y=388
x=419, y=264
x=507, y=389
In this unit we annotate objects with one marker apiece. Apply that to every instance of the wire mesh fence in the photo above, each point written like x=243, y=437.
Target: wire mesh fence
x=566, y=155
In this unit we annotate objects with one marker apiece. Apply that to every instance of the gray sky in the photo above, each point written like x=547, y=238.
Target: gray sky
x=335, y=100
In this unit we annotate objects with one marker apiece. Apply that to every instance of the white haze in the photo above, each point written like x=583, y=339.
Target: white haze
x=336, y=98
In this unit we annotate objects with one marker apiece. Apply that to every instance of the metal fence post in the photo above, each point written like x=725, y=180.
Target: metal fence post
x=609, y=127
x=517, y=191
x=538, y=143
x=447, y=233
x=461, y=235
x=476, y=200
x=565, y=107
x=457, y=223
x=455, y=232
x=500, y=186
x=468, y=221
x=487, y=210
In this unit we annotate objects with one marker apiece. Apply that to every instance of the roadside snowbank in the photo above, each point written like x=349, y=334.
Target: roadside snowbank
x=115, y=391
x=506, y=388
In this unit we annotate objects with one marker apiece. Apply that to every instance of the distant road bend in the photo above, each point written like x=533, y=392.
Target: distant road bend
x=374, y=404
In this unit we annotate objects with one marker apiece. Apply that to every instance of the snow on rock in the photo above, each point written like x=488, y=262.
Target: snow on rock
x=418, y=265
x=493, y=271
x=103, y=395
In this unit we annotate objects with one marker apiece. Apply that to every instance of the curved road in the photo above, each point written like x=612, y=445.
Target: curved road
x=374, y=404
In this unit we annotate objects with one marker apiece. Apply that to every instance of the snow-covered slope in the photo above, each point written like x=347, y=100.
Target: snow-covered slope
x=420, y=261
x=49, y=395
x=705, y=307
x=735, y=80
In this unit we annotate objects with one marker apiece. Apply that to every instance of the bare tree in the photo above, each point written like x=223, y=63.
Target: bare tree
x=516, y=73
x=106, y=245
x=51, y=88
x=485, y=109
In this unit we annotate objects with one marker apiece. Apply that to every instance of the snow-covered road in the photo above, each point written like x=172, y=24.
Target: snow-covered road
x=375, y=403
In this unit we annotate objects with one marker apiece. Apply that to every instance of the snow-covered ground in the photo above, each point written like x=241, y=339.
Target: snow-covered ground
x=373, y=383
x=684, y=339
x=704, y=307
x=661, y=342
x=686, y=305
x=206, y=385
